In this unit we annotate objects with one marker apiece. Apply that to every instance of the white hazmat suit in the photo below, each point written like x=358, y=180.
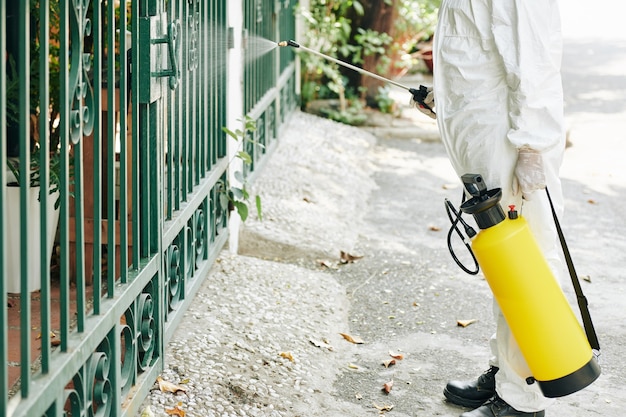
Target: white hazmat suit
x=498, y=90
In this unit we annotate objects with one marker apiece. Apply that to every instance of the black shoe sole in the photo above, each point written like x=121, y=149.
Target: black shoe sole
x=465, y=402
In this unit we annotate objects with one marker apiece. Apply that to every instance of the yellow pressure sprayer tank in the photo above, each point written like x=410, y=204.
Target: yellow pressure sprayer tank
x=547, y=331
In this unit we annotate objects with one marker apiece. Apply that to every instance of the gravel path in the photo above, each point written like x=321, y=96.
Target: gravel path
x=263, y=330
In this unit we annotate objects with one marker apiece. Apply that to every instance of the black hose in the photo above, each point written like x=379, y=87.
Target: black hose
x=468, y=230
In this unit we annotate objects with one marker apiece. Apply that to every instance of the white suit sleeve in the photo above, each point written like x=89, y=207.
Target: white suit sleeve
x=528, y=38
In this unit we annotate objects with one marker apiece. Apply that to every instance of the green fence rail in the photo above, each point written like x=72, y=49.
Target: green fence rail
x=111, y=117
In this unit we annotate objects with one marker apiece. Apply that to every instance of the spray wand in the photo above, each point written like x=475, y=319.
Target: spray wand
x=419, y=94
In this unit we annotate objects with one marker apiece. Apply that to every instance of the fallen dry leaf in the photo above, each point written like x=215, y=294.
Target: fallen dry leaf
x=398, y=356
x=383, y=408
x=389, y=363
x=586, y=278
x=352, y=339
x=287, y=355
x=176, y=411
x=387, y=386
x=54, y=340
x=321, y=344
x=346, y=258
x=434, y=228
x=353, y=366
x=465, y=323
x=592, y=201
x=166, y=386
x=326, y=264
x=52, y=335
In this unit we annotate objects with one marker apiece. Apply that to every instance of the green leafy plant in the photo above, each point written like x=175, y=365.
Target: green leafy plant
x=35, y=172
x=418, y=18
x=370, y=43
x=12, y=92
x=415, y=28
x=328, y=31
x=238, y=198
x=332, y=28
x=386, y=103
x=53, y=78
x=54, y=164
x=352, y=115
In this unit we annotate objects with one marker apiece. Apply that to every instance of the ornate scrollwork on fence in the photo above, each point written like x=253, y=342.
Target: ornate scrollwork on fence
x=284, y=103
x=193, y=23
x=259, y=11
x=200, y=236
x=211, y=203
x=249, y=148
x=173, y=274
x=81, y=118
x=91, y=391
x=270, y=131
x=129, y=350
x=73, y=403
x=99, y=390
x=254, y=143
x=147, y=328
x=291, y=96
x=189, y=252
x=219, y=213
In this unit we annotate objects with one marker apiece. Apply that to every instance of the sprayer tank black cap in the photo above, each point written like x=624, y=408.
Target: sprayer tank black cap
x=485, y=208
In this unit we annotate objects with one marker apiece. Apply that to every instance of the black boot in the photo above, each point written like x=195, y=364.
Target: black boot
x=472, y=393
x=497, y=407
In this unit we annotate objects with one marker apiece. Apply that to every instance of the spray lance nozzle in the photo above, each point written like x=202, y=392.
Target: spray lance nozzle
x=289, y=43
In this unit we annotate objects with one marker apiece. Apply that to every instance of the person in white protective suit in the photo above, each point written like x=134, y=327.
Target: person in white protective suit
x=498, y=99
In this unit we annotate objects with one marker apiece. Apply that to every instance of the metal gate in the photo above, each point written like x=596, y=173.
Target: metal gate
x=112, y=113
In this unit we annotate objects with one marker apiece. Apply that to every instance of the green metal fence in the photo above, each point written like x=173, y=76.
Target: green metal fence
x=268, y=100
x=115, y=109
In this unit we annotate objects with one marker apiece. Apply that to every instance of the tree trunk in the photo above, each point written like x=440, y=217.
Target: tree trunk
x=380, y=17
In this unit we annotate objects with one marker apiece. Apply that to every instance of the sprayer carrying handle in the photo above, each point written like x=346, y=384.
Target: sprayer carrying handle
x=424, y=99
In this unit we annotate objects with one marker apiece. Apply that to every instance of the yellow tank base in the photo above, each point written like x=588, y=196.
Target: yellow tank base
x=573, y=382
